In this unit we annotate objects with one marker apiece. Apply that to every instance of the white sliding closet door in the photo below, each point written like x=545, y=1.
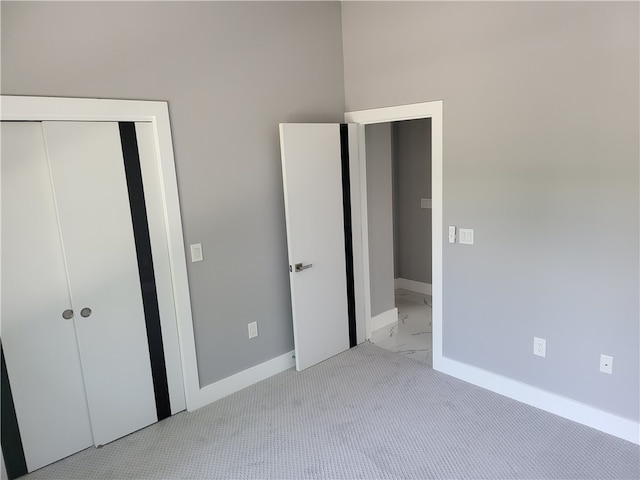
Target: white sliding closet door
x=39, y=345
x=87, y=170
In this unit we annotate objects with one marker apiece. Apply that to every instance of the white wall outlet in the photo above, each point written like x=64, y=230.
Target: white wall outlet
x=539, y=347
x=466, y=236
x=452, y=234
x=196, y=252
x=253, y=329
x=606, y=364
x=425, y=203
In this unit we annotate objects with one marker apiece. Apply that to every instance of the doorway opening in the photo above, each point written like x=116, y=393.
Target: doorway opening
x=381, y=304
x=399, y=217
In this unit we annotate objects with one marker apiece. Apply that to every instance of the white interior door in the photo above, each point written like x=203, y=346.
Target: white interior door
x=312, y=177
x=87, y=169
x=39, y=345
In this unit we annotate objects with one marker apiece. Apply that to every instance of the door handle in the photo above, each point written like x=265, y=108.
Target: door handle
x=67, y=314
x=299, y=266
x=85, y=312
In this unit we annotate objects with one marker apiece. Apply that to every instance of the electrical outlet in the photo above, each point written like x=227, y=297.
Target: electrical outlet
x=606, y=364
x=253, y=329
x=539, y=347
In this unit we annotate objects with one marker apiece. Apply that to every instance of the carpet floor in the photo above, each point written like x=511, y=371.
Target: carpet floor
x=366, y=413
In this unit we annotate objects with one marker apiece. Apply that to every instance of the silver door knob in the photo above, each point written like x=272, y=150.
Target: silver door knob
x=85, y=312
x=299, y=266
x=67, y=314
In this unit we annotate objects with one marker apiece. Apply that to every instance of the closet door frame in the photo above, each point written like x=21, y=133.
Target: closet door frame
x=23, y=108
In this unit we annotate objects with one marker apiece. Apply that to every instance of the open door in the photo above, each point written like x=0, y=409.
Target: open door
x=317, y=194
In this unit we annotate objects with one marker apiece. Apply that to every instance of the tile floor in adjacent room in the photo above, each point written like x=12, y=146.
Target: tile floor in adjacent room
x=412, y=335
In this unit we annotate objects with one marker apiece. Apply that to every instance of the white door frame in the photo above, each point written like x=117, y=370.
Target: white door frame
x=20, y=108
x=432, y=110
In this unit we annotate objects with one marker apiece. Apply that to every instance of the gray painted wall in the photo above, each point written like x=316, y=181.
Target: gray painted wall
x=231, y=72
x=541, y=149
x=380, y=216
x=412, y=182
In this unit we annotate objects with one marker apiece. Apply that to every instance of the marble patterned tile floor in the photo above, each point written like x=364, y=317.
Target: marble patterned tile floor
x=412, y=335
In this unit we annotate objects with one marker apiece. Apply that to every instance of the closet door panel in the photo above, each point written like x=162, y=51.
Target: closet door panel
x=39, y=345
x=161, y=264
x=95, y=220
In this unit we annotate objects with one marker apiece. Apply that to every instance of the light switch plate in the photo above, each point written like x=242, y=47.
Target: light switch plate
x=466, y=236
x=253, y=329
x=196, y=253
x=452, y=234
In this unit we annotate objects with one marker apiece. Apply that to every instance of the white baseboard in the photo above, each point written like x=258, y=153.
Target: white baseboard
x=244, y=379
x=384, y=319
x=564, y=407
x=413, y=286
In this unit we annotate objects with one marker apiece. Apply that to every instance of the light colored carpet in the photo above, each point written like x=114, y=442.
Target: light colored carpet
x=366, y=413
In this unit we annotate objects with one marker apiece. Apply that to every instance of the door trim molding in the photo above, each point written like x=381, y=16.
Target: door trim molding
x=19, y=108
x=414, y=111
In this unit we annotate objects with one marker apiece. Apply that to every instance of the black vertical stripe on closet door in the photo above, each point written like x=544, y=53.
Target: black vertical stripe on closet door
x=348, y=232
x=12, y=449
x=133, y=172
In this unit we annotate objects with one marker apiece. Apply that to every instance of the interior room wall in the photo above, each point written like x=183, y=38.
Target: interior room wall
x=412, y=182
x=378, y=147
x=230, y=71
x=541, y=147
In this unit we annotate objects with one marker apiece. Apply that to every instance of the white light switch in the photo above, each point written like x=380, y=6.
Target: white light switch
x=196, y=252
x=425, y=203
x=452, y=234
x=466, y=236
x=253, y=329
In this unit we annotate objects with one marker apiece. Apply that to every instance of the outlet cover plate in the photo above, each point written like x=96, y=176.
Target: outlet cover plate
x=606, y=364
x=539, y=347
